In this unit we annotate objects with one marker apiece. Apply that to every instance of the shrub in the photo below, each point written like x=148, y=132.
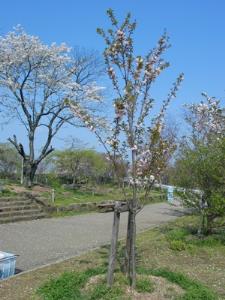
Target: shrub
x=177, y=234
x=177, y=245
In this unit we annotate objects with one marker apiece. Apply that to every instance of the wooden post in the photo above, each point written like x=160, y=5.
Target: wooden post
x=21, y=176
x=127, y=249
x=53, y=195
x=113, y=248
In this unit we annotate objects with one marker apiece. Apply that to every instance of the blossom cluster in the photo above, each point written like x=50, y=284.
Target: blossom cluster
x=130, y=137
x=207, y=117
x=31, y=68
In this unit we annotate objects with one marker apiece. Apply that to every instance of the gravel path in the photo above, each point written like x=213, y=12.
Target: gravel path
x=46, y=241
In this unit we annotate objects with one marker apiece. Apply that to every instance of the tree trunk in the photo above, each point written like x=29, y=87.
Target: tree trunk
x=202, y=224
x=29, y=171
x=132, y=246
x=209, y=223
x=22, y=167
x=131, y=230
x=74, y=181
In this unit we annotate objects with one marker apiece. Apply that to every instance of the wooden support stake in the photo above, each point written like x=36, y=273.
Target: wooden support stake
x=113, y=248
x=22, y=166
x=53, y=195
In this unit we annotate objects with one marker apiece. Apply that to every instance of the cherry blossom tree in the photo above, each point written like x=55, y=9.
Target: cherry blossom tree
x=35, y=79
x=207, y=119
x=133, y=134
x=201, y=159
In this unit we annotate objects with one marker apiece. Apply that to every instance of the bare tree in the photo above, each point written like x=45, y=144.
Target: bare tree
x=35, y=80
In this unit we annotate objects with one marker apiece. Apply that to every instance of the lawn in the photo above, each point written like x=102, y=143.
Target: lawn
x=84, y=194
x=99, y=194
x=172, y=253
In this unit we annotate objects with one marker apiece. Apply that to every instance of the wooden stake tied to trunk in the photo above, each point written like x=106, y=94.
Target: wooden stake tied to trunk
x=118, y=208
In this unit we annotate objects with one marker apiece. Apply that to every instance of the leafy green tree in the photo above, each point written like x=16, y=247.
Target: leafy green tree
x=201, y=160
x=10, y=162
x=77, y=164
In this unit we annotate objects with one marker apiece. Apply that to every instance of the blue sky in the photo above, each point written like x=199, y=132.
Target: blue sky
x=196, y=29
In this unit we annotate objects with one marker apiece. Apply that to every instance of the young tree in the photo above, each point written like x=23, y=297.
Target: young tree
x=34, y=81
x=135, y=136
x=201, y=160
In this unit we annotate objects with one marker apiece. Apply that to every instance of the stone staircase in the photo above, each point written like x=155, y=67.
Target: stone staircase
x=20, y=208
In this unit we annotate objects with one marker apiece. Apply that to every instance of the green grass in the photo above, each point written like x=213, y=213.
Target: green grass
x=144, y=285
x=173, y=252
x=198, y=269
x=7, y=192
x=177, y=247
x=177, y=234
x=64, y=197
x=101, y=291
x=71, y=286
x=183, y=238
x=193, y=290
x=60, y=214
x=88, y=193
x=65, y=287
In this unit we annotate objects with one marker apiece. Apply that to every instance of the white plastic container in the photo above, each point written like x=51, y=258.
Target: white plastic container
x=170, y=190
x=7, y=264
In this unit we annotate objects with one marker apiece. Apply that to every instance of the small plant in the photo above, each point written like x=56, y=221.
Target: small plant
x=68, y=286
x=64, y=287
x=144, y=285
x=210, y=241
x=177, y=239
x=7, y=192
x=177, y=234
x=102, y=291
x=177, y=245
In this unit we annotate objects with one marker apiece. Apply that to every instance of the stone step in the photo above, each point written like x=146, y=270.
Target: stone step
x=20, y=213
x=18, y=207
x=16, y=203
x=14, y=198
x=22, y=218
